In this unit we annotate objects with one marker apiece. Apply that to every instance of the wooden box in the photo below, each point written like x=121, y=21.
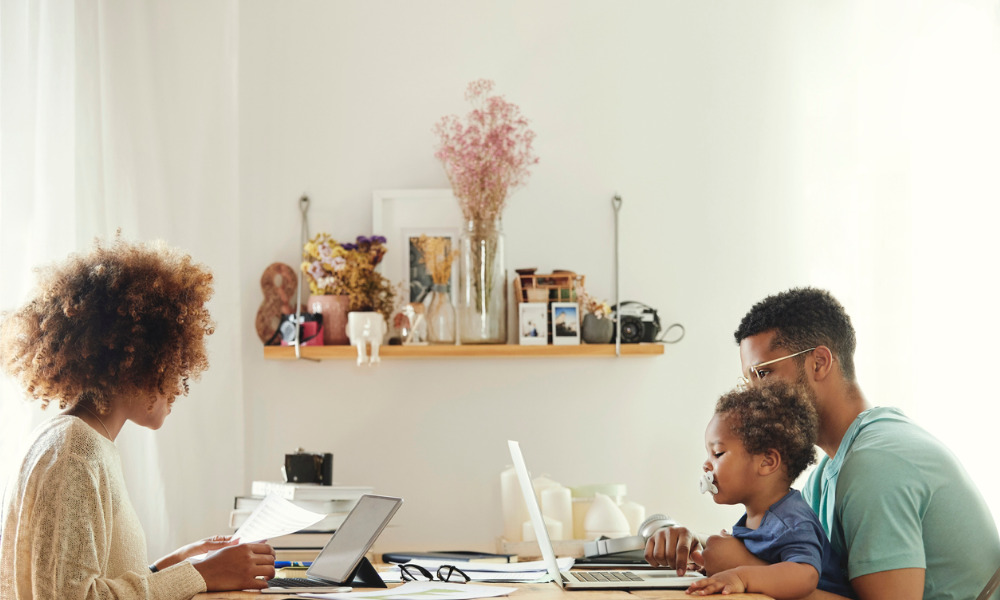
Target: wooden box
x=561, y=286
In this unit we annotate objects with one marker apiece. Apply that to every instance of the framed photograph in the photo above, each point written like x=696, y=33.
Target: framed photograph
x=533, y=326
x=420, y=269
x=401, y=216
x=565, y=323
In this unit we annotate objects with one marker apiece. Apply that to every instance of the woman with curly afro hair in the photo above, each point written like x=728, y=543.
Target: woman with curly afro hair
x=111, y=336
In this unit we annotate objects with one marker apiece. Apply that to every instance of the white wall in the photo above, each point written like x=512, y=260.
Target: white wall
x=757, y=146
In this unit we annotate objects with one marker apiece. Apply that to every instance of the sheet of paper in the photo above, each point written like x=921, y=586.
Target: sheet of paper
x=424, y=590
x=274, y=516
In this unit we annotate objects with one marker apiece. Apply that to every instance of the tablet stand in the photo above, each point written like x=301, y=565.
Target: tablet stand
x=365, y=575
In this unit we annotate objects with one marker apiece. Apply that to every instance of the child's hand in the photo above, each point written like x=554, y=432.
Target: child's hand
x=726, y=582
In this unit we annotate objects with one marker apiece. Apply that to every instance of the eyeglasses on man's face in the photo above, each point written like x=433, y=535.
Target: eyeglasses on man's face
x=450, y=573
x=757, y=372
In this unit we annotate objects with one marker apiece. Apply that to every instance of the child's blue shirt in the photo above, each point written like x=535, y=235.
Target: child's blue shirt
x=791, y=532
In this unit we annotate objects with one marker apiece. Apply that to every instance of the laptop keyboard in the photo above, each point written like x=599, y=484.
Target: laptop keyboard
x=605, y=576
x=291, y=582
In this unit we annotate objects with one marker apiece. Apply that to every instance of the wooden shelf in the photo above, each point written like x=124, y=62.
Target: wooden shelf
x=484, y=350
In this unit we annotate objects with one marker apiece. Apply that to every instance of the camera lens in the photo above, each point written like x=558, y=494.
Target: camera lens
x=631, y=330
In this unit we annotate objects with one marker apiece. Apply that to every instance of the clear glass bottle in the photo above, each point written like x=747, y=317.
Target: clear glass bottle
x=482, y=291
x=440, y=316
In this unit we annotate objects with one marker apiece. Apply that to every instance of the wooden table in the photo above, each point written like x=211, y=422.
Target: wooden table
x=525, y=591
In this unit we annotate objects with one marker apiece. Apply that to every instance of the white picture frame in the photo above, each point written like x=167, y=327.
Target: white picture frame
x=532, y=323
x=397, y=214
x=565, y=323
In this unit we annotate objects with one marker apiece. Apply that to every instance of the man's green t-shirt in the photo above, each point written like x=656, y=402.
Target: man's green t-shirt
x=894, y=497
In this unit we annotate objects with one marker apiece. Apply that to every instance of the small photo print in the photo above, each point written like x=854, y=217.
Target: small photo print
x=565, y=323
x=430, y=261
x=533, y=324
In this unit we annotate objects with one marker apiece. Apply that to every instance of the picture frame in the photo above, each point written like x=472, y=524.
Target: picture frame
x=417, y=281
x=565, y=323
x=401, y=214
x=532, y=323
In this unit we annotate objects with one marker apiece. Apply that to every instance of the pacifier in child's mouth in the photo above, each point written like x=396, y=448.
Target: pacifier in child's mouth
x=707, y=483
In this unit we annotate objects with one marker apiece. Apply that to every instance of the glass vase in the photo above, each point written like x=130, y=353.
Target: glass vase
x=440, y=316
x=482, y=285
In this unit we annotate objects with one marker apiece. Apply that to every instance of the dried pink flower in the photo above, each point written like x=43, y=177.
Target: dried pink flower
x=487, y=155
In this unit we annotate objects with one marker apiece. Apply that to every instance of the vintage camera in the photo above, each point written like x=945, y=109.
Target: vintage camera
x=639, y=323
x=305, y=467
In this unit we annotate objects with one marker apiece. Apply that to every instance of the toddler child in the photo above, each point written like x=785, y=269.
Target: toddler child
x=759, y=440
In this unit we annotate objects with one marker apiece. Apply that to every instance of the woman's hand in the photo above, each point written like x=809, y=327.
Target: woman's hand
x=204, y=546
x=239, y=567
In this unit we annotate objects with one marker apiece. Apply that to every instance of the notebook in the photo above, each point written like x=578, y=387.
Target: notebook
x=342, y=561
x=588, y=579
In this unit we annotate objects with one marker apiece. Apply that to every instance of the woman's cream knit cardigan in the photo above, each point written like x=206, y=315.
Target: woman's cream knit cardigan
x=69, y=529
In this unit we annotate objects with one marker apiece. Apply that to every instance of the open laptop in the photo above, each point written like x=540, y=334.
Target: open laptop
x=588, y=579
x=343, y=560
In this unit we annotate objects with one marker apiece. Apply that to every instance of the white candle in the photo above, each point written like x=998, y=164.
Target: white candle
x=551, y=525
x=557, y=504
x=512, y=504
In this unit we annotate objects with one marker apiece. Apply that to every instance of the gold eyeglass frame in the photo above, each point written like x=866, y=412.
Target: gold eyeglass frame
x=754, y=369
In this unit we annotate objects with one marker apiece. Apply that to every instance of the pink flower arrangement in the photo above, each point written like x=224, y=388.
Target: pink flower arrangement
x=486, y=155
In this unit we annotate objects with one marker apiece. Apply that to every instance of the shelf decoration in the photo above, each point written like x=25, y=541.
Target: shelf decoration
x=468, y=351
x=437, y=255
x=558, y=286
x=598, y=327
x=485, y=155
x=277, y=284
x=346, y=272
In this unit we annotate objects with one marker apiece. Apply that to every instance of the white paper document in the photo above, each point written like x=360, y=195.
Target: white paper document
x=274, y=516
x=424, y=590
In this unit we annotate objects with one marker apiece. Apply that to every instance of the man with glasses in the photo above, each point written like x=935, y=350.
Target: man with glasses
x=893, y=499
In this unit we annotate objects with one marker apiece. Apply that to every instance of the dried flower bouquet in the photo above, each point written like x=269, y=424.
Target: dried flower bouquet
x=485, y=156
x=349, y=269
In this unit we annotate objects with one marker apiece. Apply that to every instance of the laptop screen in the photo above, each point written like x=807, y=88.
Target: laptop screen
x=354, y=537
x=534, y=512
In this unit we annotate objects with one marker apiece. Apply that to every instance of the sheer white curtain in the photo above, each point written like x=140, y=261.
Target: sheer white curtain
x=123, y=115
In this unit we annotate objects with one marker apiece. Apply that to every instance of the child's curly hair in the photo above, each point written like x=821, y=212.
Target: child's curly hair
x=124, y=321
x=774, y=414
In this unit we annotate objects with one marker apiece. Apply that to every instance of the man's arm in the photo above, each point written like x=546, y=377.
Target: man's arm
x=899, y=584
x=879, y=499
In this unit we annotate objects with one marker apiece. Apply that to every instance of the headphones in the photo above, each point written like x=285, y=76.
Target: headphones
x=651, y=525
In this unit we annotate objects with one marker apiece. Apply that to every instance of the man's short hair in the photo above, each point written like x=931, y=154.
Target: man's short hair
x=803, y=318
x=774, y=415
